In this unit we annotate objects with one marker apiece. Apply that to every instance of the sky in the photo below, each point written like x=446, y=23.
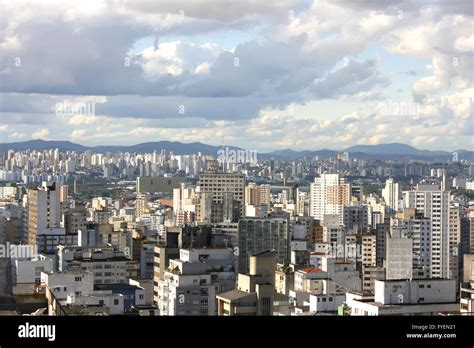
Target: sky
x=258, y=74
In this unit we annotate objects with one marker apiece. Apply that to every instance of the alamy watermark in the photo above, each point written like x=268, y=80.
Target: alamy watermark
x=401, y=108
x=229, y=155
x=67, y=108
x=23, y=251
x=344, y=251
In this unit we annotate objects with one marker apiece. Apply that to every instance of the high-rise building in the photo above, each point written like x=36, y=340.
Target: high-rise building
x=184, y=204
x=381, y=231
x=43, y=210
x=455, y=214
x=433, y=203
x=366, y=245
x=356, y=217
x=257, y=194
x=204, y=207
x=159, y=184
x=391, y=194
x=470, y=226
x=221, y=184
x=399, y=256
x=418, y=230
x=256, y=235
x=141, y=205
x=302, y=202
x=75, y=219
x=329, y=193
x=64, y=192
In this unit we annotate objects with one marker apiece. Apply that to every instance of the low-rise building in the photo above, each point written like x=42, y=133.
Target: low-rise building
x=190, y=284
x=255, y=293
x=26, y=273
x=74, y=293
x=407, y=297
x=107, y=265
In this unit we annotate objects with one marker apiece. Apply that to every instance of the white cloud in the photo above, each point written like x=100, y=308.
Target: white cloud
x=77, y=120
x=202, y=68
x=17, y=135
x=41, y=133
x=78, y=134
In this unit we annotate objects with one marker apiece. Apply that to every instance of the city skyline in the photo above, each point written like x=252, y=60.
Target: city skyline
x=223, y=151
x=254, y=75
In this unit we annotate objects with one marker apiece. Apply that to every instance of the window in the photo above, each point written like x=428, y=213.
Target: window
x=324, y=299
x=140, y=297
x=429, y=286
x=78, y=279
x=422, y=286
x=116, y=302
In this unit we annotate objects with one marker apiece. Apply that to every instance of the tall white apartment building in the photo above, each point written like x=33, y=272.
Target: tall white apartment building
x=455, y=214
x=184, y=204
x=328, y=195
x=433, y=203
x=391, y=194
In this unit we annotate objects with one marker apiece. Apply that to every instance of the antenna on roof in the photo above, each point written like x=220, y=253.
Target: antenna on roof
x=222, y=164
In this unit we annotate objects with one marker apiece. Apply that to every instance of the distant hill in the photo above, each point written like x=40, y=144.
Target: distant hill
x=396, y=151
x=175, y=146
x=42, y=145
x=384, y=149
x=289, y=154
x=404, y=151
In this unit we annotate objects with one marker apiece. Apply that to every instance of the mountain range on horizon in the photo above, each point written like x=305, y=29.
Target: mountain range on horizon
x=396, y=151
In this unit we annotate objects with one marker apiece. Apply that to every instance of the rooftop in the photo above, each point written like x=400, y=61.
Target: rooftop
x=311, y=270
x=99, y=259
x=234, y=295
x=121, y=287
x=342, y=262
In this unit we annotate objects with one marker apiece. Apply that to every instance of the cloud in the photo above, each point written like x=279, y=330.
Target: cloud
x=17, y=135
x=78, y=134
x=299, y=74
x=41, y=133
